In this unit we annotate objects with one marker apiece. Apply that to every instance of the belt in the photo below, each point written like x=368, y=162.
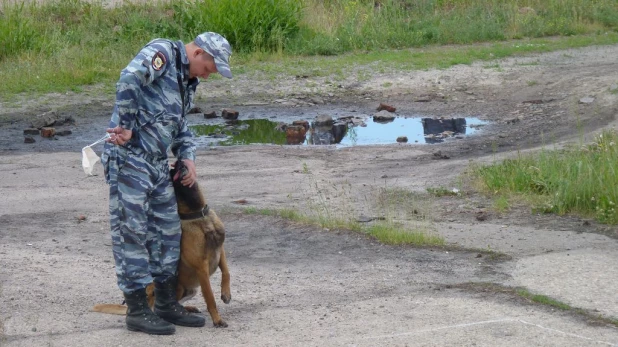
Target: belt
x=143, y=154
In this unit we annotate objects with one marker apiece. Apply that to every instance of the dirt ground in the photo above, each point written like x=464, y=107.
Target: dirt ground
x=294, y=285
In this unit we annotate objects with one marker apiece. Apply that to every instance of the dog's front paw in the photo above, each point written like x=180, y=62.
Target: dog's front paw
x=220, y=324
x=226, y=298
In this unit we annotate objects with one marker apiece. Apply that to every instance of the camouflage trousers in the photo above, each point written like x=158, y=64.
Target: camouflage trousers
x=144, y=222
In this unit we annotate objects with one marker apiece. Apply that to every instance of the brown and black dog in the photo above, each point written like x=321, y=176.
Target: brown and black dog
x=201, y=251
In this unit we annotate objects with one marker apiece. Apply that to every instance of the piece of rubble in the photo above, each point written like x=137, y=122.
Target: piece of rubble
x=48, y=132
x=31, y=131
x=29, y=139
x=229, y=114
x=586, y=100
x=402, y=139
x=210, y=115
x=383, y=116
x=386, y=107
x=302, y=123
x=323, y=120
x=195, y=110
x=44, y=120
x=65, y=132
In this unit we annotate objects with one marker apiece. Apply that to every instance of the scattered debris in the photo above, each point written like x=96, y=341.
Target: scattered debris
x=210, y=115
x=295, y=134
x=383, y=116
x=195, y=110
x=229, y=114
x=64, y=132
x=303, y=123
x=241, y=202
x=439, y=155
x=386, y=107
x=586, y=100
x=48, y=132
x=31, y=131
x=323, y=120
x=481, y=216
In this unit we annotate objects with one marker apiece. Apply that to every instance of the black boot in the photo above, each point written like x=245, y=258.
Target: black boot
x=168, y=308
x=141, y=318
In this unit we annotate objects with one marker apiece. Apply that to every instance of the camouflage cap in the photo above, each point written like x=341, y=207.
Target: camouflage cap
x=218, y=47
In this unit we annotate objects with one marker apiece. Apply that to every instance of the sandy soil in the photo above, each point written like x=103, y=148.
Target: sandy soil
x=305, y=286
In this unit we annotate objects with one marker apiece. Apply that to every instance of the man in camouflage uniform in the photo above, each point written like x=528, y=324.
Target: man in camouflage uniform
x=153, y=94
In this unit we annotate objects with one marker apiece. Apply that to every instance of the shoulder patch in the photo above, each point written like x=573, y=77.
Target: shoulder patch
x=158, y=61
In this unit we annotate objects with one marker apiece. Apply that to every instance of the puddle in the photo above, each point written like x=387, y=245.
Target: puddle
x=346, y=131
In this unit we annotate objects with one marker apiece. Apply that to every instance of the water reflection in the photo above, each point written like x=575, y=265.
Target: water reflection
x=241, y=132
x=438, y=129
x=343, y=132
x=327, y=134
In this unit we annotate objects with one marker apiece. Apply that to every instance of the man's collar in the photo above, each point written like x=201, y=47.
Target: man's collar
x=184, y=58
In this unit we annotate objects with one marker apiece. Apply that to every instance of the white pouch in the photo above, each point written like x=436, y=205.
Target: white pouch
x=89, y=157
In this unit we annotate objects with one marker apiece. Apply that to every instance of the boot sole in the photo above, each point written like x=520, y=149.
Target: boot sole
x=168, y=332
x=195, y=325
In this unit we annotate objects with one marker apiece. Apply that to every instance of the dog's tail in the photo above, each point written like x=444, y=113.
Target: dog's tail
x=110, y=308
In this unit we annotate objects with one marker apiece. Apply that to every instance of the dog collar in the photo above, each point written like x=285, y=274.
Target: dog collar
x=195, y=215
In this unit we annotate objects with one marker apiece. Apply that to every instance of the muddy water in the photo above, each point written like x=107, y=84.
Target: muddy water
x=342, y=133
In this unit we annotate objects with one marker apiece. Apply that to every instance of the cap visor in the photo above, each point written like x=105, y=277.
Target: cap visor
x=223, y=68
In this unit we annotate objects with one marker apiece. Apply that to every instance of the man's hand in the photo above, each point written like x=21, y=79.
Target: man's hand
x=191, y=176
x=119, y=136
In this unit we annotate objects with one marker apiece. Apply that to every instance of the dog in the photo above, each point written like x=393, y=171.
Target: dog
x=201, y=251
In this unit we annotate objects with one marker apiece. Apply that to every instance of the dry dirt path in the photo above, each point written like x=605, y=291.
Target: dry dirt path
x=295, y=285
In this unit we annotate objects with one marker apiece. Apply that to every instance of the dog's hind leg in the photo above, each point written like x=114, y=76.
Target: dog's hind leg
x=211, y=305
x=226, y=293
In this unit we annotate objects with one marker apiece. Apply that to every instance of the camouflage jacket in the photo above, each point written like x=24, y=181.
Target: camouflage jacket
x=149, y=101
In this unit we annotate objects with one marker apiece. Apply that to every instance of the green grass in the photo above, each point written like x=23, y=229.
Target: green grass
x=589, y=316
x=57, y=46
x=501, y=204
x=401, y=217
x=396, y=235
x=581, y=180
x=296, y=216
x=441, y=191
x=542, y=299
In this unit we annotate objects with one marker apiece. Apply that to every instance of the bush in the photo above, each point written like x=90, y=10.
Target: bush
x=249, y=25
x=16, y=32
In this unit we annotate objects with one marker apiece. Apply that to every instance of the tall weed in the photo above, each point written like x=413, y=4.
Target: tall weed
x=249, y=25
x=16, y=31
x=580, y=180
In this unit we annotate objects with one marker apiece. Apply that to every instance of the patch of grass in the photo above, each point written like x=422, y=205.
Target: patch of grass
x=396, y=235
x=441, y=191
x=578, y=180
x=532, y=83
x=333, y=27
x=262, y=211
x=296, y=216
x=55, y=46
x=543, y=299
x=528, y=297
x=501, y=204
